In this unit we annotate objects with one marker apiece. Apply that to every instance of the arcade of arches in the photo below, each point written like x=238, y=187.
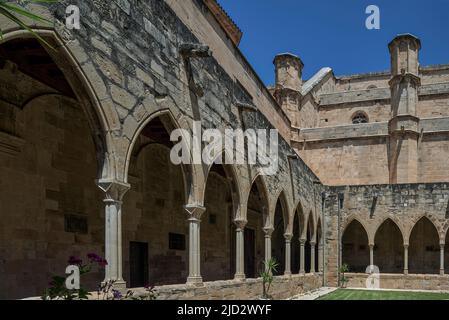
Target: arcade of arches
x=48, y=151
x=162, y=224
x=423, y=253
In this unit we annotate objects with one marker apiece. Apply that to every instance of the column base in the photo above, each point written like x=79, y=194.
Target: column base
x=287, y=273
x=240, y=277
x=442, y=272
x=118, y=284
x=197, y=281
x=405, y=272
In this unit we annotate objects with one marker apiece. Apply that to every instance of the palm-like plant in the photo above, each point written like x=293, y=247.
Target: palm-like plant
x=14, y=12
x=269, y=268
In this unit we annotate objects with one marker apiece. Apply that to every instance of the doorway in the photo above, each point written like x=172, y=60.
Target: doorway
x=138, y=258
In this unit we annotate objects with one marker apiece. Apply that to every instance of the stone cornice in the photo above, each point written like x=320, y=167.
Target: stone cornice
x=349, y=97
x=378, y=130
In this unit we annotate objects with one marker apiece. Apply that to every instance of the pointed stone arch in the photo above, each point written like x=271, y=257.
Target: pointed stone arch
x=389, y=247
x=262, y=188
x=192, y=176
x=257, y=218
x=302, y=218
x=101, y=115
x=283, y=200
x=355, y=245
x=396, y=223
x=424, y=247
x=431, y=219
x=233, y=180
x=349, y=220
x=280, y=228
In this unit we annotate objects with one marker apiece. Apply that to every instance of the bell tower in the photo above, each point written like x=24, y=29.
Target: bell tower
x=404, y=124
x=289, y=84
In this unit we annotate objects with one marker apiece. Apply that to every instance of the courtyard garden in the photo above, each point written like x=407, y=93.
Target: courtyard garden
x=352, y=294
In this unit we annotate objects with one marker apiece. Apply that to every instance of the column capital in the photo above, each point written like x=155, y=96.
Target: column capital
x=194, y=211
x=312, y=243
x=405, y=245
x=114, y=190
x=268, y=231
x=240, y=224
x=288, y=236
x=302, y=241
x=442, y=245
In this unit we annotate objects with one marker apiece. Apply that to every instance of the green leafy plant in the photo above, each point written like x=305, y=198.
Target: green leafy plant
x=58, y=290
x=268, y=269
x=14, y=13
x=105, y=291
x=343, y=269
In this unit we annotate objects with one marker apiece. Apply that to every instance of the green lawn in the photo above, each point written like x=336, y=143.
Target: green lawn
x=349, y=294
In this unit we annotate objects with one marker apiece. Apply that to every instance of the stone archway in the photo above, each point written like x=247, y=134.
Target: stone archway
x=254, y=235
x=308, y=244
x=389, y=248
x=319, y=247
x=217, y=226
x=298, y=225
x=277, y=238
x=53, y=149
x=155, y=233
x=355, y=249
x=424, y=248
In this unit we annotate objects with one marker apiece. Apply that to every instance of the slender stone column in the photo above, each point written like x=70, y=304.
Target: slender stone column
x=194, y=213
x=405, y=259
x=240, y=249
x=302, y=256
x=312, y=257
x=114, y=192
x=442, y=259
x=371, y=254
x=288, y=254
x=320, y=257
x=268, y=233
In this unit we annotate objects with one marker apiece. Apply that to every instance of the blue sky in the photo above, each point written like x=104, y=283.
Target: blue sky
x=332, y=33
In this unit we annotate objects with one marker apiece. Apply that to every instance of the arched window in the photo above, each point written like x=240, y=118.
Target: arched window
x=359, y=117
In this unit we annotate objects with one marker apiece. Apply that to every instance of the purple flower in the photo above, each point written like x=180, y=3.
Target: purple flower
x=117, y=294
x=96, y=258
x=75, y=261
x=103, y=263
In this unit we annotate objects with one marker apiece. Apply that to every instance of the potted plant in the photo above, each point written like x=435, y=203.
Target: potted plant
x=343, y=280
x=269, y=268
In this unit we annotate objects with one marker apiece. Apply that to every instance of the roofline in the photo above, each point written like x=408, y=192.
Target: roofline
x=225, y=21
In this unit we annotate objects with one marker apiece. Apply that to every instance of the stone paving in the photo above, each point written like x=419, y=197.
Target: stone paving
x=314, y=294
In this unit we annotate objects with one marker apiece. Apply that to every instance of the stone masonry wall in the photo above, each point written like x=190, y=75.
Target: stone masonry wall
x=48, y=179
x=282, y=288
x=404, y=205
x=403, y=282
